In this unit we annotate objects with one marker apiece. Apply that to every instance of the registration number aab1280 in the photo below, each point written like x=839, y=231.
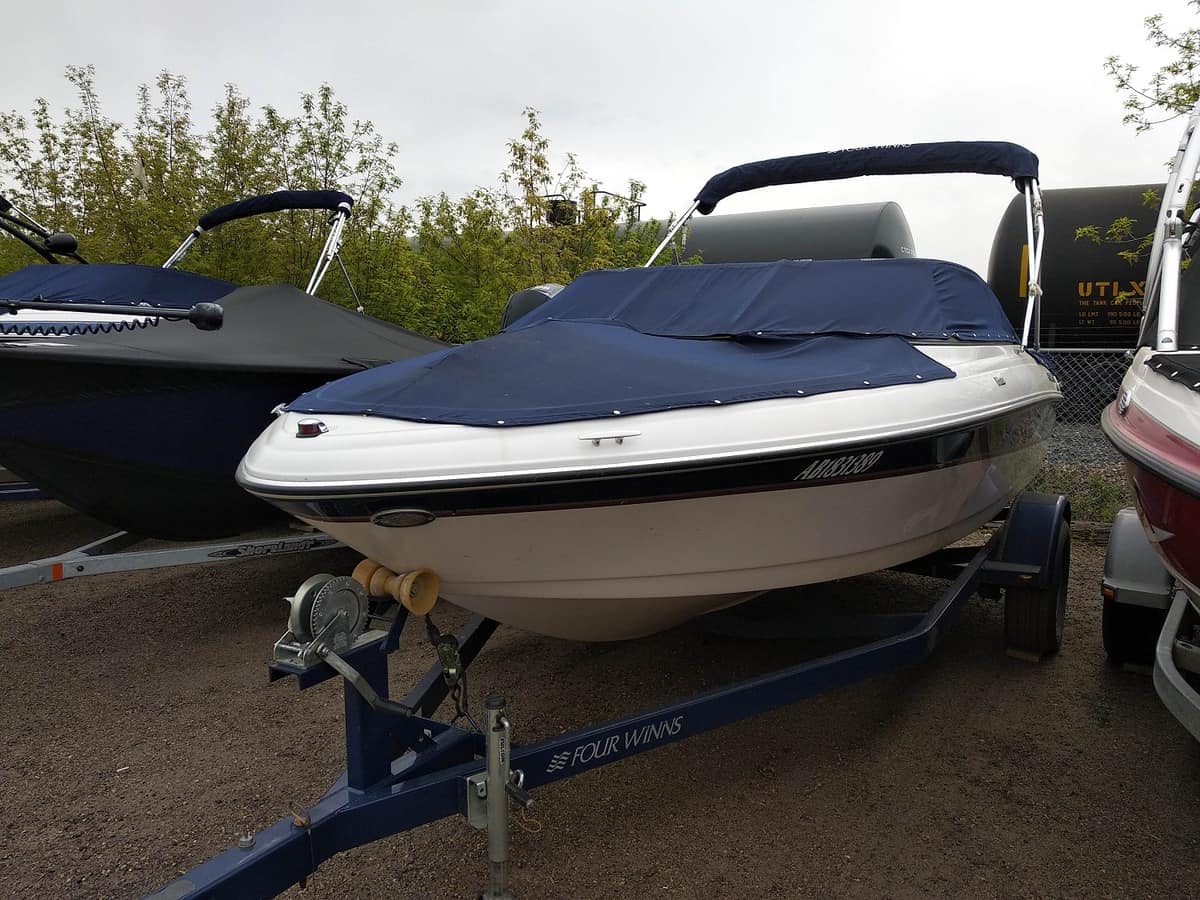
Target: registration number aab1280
x=833, y=466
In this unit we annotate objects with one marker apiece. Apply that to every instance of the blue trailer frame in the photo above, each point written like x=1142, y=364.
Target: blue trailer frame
x=440, y=763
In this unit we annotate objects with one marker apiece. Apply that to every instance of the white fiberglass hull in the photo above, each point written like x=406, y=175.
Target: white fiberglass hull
x=625, y=571
x=918, y=467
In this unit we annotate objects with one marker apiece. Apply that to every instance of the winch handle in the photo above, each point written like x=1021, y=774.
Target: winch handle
x=360, y=684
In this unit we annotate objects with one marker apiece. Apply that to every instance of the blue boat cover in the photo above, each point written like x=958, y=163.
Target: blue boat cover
x=918, y=298
x=113, y=283
x=981, y=157
x=629, y=341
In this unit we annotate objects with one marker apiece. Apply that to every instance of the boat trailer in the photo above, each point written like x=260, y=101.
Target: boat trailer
x=347, y=627
x=111, y=554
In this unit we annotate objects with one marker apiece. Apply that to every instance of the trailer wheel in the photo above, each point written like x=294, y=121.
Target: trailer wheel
x=1131, y=632
x=1034, y=617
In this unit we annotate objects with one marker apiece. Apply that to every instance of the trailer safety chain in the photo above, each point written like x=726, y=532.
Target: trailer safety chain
x=453, y=672
x=300, y=816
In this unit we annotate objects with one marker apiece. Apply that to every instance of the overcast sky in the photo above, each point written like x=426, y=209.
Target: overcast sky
x=669, y=93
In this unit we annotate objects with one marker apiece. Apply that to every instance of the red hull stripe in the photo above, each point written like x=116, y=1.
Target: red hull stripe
x=1170, y=514
x=1156, y=441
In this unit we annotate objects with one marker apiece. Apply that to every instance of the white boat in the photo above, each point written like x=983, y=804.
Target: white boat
x=654, y=444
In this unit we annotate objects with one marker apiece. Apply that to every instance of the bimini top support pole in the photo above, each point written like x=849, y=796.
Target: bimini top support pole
x=671, y=232
x=1035, y=235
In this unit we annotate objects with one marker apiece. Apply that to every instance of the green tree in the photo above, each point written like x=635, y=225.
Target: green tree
x=444, y=267
x=1169, y=91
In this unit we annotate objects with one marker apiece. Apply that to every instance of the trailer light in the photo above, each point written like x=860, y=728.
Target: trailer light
x=1108, y=592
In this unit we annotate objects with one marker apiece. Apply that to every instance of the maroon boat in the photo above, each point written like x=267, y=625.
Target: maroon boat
x=1155, y=424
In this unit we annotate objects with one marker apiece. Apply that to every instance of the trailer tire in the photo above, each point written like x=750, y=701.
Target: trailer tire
x=1034, y=618
x=1131, y=632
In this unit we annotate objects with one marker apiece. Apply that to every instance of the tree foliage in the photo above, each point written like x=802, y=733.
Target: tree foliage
x=445, y=266
x=1122, y=232
x=1168, y=92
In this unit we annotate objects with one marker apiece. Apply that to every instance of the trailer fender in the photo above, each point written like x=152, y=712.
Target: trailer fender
x=1031, y=534
x=1133, y=572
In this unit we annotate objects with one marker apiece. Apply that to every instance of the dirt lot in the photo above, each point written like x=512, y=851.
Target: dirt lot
x=140, y=737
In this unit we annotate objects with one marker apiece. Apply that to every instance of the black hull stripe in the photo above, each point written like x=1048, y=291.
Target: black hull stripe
x=1009, y=433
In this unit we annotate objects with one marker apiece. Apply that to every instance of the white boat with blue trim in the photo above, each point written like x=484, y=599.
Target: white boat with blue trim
x=650, y=445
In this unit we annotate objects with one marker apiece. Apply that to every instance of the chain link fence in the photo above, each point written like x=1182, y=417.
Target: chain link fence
x=1090, y=380
x=1080, y=461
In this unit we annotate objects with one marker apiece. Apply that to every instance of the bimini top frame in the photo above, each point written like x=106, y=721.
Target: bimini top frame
x=980, y=157
x=334, y=201
x=30, y=232
x=1160, y=321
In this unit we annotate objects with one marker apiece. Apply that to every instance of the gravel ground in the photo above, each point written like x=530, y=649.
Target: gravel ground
x=1081, y=445
x=140, y=737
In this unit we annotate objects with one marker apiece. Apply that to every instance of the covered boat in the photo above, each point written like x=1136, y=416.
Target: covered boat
x=141, y=424
x=653, y=444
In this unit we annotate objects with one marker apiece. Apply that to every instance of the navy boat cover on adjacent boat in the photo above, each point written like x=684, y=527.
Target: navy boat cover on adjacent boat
x=117, y=283
x=629, y=341
x=103, y=283
x=270, y=328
